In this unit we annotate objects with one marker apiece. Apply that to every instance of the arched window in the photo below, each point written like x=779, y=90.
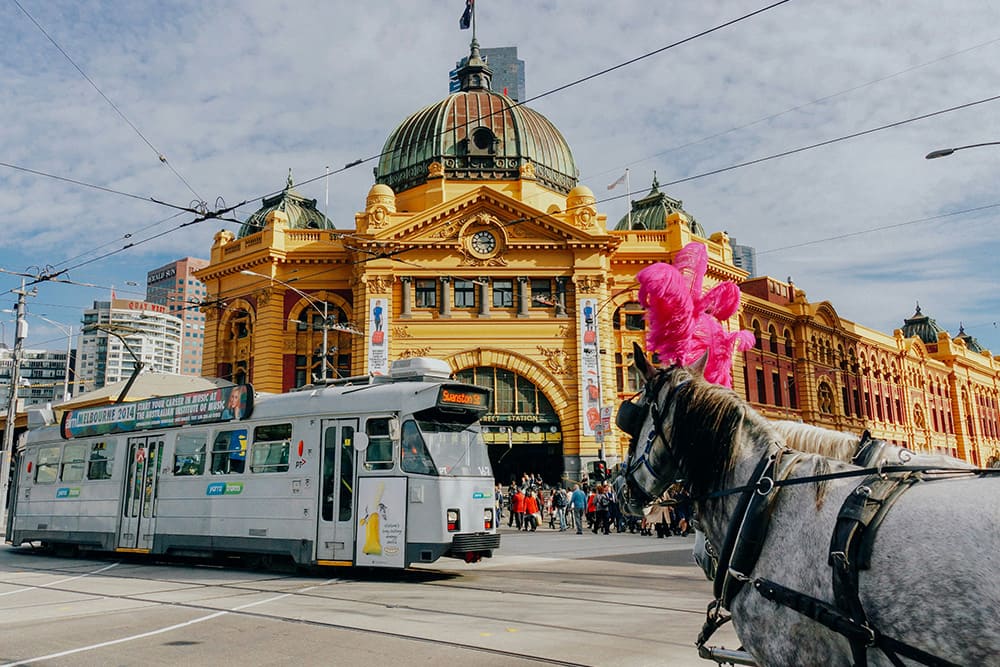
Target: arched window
x=237, y=344
x=789, y=350
x=756, y=334
x=824, y=396
x=773, y=339
x=310, y=332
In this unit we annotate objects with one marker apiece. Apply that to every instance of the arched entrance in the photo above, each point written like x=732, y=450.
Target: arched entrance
x=522, y=430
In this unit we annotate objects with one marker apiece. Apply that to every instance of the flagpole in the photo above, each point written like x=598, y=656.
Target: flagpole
x=628, y=198
x=473, y=21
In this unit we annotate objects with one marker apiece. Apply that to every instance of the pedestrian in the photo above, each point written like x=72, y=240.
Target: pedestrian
x=602, y=505
x=591, y=508
x=531, y=513
x=559, y=507
x=578, y=501
x=517, y=508
x=498, y=496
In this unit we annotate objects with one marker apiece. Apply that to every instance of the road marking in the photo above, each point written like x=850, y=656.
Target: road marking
x=60, y=581
x=159, y=631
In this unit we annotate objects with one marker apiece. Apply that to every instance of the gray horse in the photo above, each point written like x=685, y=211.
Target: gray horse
x=932, y=581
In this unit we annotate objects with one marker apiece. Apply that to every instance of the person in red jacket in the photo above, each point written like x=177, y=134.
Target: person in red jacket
x=517, y=508
x=591, y=508
x=530, y=511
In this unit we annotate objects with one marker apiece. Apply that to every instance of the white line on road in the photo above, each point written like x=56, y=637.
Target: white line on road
x=60, y=581
x=169, y=628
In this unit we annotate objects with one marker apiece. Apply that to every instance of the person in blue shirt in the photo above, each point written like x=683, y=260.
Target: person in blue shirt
x=578, y=501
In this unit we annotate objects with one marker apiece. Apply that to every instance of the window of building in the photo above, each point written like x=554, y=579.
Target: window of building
x=824, y=396
x=378, y=455
x=73, y=463
x=503, y=293
x=229, y=452
x=465, y=294
x=772, y=337
x=189, y=454
x=776, y=385
x=541, y=293
x=271, y=445
x=761, y=387
x=426, y=293
x=793, y=401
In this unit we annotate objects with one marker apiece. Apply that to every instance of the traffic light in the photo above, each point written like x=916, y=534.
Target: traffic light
x=599, y=470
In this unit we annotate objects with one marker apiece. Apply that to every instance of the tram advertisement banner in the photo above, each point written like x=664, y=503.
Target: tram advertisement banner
x=381, y=522
x=198, y=407
x=590, y=367
x=378, y=336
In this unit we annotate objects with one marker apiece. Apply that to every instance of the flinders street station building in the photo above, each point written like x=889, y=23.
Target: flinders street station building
x=478, y=245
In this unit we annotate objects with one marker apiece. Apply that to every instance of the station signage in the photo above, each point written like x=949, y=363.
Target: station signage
x=464, y=396
x=199, y=407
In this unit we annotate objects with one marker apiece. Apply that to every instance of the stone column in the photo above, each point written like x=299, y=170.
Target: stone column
x=523, y=296
x=484, y=296
x=407, y=297
x=561, y=296
x=445, y=296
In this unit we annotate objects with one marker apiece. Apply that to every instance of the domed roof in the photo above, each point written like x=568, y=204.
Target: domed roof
x=301, y=212
x=476, y=135
x=921, y=326
x=970, y=342
x=651, y=212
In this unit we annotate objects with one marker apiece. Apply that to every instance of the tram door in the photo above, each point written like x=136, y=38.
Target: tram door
x=142, y=469
x=335, y=532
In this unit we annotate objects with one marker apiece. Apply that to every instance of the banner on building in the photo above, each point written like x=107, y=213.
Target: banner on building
x=378, y=336
x=590, y=366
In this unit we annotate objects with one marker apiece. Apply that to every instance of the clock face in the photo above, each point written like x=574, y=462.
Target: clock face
x=483, y=242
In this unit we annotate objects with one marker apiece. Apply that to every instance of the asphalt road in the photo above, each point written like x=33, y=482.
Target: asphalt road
x=545, y=598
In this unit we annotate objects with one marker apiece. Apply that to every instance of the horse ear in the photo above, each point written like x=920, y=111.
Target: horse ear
x=699, y=366
x=641, y=362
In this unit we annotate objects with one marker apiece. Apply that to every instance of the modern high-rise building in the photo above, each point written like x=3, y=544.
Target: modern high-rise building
x=508, y=72
x=119, y=333
x=175, y=286
x=745, y=257
x=43, y=376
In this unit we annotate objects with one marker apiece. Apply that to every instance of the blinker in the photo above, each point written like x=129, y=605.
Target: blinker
x=630, y=418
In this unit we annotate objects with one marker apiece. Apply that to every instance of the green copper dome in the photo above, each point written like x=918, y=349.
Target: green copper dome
x=923, y=327
x=476, y=135
x=651, y=212
x=301, y=212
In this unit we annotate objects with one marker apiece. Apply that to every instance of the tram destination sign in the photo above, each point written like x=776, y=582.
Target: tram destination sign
x=464, y=396
x=198, y=407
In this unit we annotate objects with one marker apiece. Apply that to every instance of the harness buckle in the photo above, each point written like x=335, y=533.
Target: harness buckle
x=765, y=485
x=863, y=490
x=738, y=576
x=870, y=641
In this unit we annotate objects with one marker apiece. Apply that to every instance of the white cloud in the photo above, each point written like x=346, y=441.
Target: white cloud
x=235, y=93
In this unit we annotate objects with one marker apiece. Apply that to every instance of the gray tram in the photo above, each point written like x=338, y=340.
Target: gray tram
x=381, y=471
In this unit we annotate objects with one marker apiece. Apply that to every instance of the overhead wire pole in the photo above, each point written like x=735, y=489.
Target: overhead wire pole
x=6, y=453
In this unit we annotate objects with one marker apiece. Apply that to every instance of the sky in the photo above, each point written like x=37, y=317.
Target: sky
x=235, y=93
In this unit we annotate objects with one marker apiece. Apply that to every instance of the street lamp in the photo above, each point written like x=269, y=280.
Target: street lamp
x=313, y=303
x=944, y=152
x=68, y=330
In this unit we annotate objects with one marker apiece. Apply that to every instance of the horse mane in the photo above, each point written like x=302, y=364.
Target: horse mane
x=713, y=417
x=817, y=440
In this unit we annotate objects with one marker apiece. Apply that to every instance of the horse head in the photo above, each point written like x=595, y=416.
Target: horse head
x=650, y=465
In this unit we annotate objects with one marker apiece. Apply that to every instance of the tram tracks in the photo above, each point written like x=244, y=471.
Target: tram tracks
x=323, y=592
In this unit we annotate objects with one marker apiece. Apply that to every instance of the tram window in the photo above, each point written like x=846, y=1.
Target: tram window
x=47, y=465
x=189, y=454
x=72, y=463
x=270, y=448
x=229, y=452
x=414, y=456
x=378, y=455
x=101, y=456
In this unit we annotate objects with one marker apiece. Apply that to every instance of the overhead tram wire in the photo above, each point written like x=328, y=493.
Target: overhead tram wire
x=631, y=61
x=160, y=156
x=369, y=159
x=798, y=107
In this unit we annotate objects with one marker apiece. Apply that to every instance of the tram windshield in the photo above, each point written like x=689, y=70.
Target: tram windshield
x=441, y=446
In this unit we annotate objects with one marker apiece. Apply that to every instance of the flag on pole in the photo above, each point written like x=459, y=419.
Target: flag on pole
x=618, y=182
x=466, y=19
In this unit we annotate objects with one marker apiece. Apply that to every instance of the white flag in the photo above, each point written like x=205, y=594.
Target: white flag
x=618, y=182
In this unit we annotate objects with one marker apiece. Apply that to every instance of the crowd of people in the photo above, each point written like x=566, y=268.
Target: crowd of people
x=528, y=503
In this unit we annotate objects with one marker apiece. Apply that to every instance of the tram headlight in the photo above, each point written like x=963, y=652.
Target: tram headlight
x=454, y=520
x=488, y=519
